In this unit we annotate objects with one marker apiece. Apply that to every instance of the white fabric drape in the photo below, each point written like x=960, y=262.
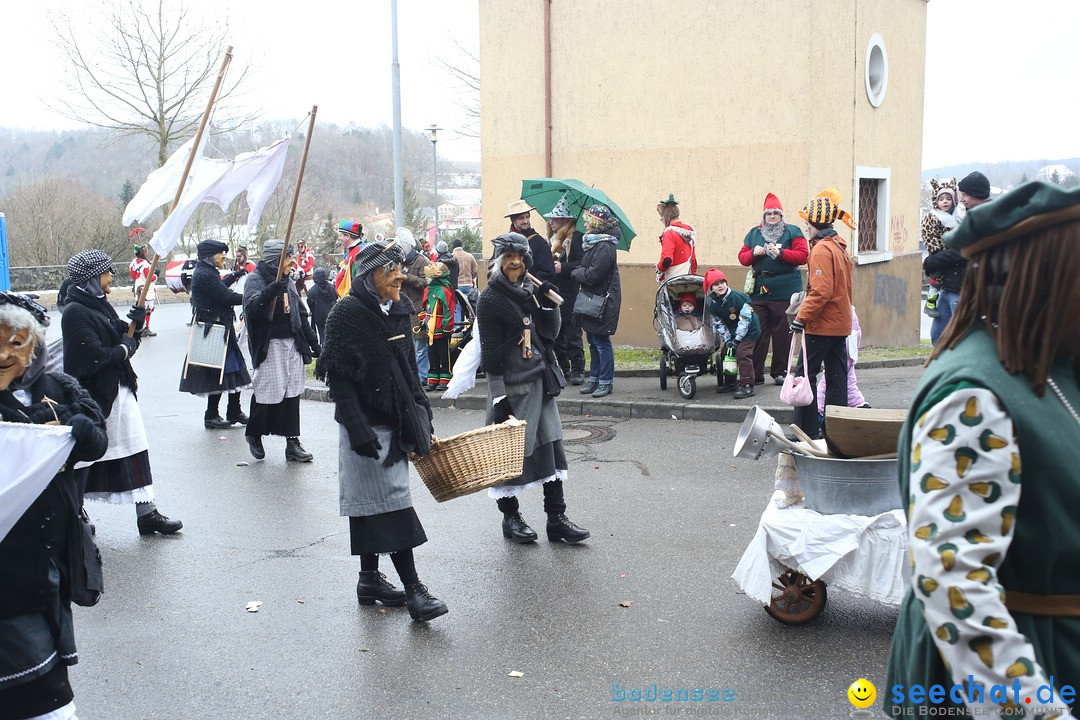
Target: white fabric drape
x=33, y=455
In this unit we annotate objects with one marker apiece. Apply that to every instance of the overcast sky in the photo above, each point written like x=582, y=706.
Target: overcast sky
x=1001, y=75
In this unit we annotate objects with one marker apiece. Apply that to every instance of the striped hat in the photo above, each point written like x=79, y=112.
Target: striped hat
x=87, y=264
x=824, y=209
x=376, y=255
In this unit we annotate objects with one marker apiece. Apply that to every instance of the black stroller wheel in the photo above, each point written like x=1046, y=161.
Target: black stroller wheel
x=663, y=371
x=687, y=386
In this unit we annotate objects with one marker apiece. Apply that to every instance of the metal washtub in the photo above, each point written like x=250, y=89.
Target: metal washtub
x=851, y=487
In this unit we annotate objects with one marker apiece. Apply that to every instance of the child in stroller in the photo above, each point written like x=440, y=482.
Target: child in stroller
x=685, y=330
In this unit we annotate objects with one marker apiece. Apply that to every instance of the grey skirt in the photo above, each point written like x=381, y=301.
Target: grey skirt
x=365, y=486
x=545, y=459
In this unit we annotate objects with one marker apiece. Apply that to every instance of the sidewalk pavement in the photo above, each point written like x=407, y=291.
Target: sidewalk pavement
x=637, y=394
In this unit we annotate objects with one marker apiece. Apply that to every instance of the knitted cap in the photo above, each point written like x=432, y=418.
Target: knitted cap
x=376, y=255
x=87, y=264
x=598, y=218
x=440, y=247
x=688, y=297
x=824, y=209
x=772, y=203
x=712, y=275
x=976, y=185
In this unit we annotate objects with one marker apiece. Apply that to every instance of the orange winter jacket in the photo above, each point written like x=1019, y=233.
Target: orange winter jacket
x=827, y=307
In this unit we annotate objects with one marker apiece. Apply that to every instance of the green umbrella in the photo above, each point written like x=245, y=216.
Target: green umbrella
x=544, y=193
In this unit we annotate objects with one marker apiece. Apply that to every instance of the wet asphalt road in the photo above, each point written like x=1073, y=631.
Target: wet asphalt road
x=670, y=513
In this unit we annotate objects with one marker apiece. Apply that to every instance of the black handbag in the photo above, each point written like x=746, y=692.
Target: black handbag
x=84, y=563
x=589, y=305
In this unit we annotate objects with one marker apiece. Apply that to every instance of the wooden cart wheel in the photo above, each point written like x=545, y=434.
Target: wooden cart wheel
x=796, y=599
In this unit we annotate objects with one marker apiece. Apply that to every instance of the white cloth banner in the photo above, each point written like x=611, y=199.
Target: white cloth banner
x=210, y=180
x=256, y=172
x=35, y=453
x=160, y=186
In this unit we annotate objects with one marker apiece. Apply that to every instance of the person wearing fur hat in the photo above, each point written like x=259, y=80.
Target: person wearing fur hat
x=987, y=467
x=520, y=214
x=40, y=550
x=825, y=315
x=214, y=301
x=518, y=325
x=774, y=250
x=139, y=269
x=437, y=321
x=944, y=268
x=598, y=274
x=383, y=415
x=677, y=253
x=97, y=353
x=280, y=342
x=567, y=250
x=737, y=324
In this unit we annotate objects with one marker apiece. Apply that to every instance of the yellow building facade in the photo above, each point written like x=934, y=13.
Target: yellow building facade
x=719, y=103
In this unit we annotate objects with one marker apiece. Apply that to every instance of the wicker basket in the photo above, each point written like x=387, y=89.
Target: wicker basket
x=474, y=460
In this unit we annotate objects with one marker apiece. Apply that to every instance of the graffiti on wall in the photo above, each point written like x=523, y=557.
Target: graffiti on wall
x=891, y=292
x=899, y=240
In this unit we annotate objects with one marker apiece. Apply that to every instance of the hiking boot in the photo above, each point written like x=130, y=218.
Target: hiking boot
x=423, y=606
x=559, y=528
x=515, y=529
x=373, y=586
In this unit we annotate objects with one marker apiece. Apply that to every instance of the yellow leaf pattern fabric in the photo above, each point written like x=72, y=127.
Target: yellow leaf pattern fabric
x=965, y=486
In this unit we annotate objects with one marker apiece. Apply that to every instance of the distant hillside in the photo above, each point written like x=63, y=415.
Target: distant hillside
x=1002, y=174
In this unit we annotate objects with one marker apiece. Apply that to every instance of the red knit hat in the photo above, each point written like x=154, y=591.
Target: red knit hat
x=772, y=203
x=712, y=276
x=688, y=297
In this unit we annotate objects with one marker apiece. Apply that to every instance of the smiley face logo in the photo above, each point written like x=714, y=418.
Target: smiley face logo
x=862, y=693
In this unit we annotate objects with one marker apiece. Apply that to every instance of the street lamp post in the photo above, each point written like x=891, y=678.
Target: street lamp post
x=435, y=176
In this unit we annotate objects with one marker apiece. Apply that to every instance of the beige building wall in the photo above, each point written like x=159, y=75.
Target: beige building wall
x=719, y=103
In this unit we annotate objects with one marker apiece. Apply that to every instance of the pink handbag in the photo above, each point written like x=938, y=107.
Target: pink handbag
x=796, y=391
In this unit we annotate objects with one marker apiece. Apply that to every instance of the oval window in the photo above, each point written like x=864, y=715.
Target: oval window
x=877, y=70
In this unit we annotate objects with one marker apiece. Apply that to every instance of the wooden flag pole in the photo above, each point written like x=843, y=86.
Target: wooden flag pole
x=292, y=210
x=183, y=179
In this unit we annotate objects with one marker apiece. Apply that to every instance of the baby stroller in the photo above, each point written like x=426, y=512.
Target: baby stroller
x=463, y=328
x=687, y=342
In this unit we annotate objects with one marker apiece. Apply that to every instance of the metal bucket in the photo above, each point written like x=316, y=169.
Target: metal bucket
x=851, y=487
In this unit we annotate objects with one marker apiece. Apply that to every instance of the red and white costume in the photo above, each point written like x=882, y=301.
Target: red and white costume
x=139, y=269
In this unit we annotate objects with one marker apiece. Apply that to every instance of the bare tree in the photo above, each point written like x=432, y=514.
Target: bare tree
x=143, y=68
x=465, y=69
x=52, y=218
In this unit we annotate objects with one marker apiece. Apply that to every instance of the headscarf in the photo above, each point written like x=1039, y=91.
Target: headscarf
x=601, y=225
x=210, y=248
x=86, y=267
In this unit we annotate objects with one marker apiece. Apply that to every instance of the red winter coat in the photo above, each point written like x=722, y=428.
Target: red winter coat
x=676, y=247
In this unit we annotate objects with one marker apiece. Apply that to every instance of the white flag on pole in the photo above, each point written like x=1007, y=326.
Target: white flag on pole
x=257, y=173
x=33, y=454
x=160, y=186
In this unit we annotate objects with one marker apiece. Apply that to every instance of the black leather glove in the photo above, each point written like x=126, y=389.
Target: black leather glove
x=83, y=429
x=130, y=344
x=316, y=349
x=542, y=292
x=369, y=449
x=137, y=315
x=239, y=273
x=279, y=286
x=501, y=411
x=797, y=326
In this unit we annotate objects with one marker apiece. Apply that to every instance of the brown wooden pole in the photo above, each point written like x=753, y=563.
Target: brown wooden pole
x=295, y=200
x=187, y=169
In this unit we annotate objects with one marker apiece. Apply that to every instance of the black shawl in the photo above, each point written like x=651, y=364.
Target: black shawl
x=361, y=343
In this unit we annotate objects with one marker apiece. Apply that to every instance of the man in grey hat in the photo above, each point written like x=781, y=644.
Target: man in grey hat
x=281, y=342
